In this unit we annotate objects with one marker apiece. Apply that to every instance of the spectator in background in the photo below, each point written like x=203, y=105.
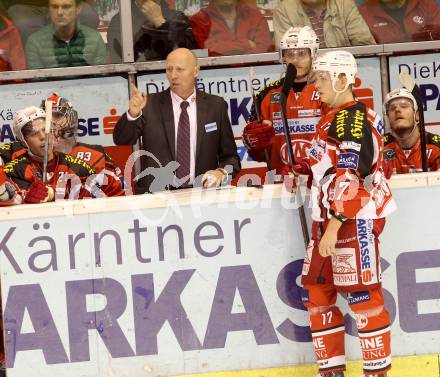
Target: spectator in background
x=65, y=42
x=393, y=21
x=231, y=27
x=3, y=6
x=11, y=50
x=402, y=152
x=30, y=16
x=337, y=23
x=157, y=30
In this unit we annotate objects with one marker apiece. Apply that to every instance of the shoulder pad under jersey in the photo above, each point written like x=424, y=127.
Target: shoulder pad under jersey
x=388, y=139
x=14, y=165
x=95, y=147
x=272, y=85
x=11, y=151
x=349, y=123
x=79, y=167
x=432, y=139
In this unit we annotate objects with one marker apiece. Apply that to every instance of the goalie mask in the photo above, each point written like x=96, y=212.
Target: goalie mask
x=64, y=116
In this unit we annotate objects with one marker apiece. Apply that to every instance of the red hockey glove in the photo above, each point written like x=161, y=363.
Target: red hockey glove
x=302, y=167
x=258, y=135
x=38, y=192
x=288, y=178
x=4, y=194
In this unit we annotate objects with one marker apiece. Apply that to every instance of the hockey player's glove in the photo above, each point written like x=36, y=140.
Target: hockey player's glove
x=4, y=192
x=258, y=135
x=288, y=178
x=301, y=167
x=38, y=192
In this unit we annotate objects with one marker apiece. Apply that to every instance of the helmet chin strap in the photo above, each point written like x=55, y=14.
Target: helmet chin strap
x=404, y=139
x=338, y=92
x=32, y=155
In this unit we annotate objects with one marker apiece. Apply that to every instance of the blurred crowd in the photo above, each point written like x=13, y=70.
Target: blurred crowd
x=62, y=33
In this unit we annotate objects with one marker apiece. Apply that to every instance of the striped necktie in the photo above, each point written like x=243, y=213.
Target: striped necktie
x=183, y=153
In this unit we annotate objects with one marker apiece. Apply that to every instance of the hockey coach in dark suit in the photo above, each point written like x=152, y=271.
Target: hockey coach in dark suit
x=186, y=133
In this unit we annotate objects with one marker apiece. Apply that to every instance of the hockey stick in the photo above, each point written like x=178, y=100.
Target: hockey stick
x=257, y=112
x=48, y=109
x=408, y=82
x=289, y=79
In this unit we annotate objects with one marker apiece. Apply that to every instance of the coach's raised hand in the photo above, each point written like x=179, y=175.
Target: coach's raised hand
x=138, y=100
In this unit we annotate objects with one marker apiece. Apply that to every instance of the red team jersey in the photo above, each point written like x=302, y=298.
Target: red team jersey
x=402, y=161
x=346, y=161
x=7, y=184
x=94, y=155
x=11, y=151
x=348, y=182
x=109, y=176
x=84, y=181
x=303, y=111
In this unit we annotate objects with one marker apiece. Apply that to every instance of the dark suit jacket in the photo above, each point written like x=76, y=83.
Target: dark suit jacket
x=155, y=127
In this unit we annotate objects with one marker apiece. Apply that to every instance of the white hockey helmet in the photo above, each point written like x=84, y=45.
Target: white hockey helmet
x=336, y=63
x=398, y=93
x=24, y=117
x=299, y=37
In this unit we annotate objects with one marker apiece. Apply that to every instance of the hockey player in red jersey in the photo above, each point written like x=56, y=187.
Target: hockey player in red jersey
x=65, y=124
x=402, y=153
x=350, y=199
x=299, y=47
x=66, y=178
x=65, y=127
